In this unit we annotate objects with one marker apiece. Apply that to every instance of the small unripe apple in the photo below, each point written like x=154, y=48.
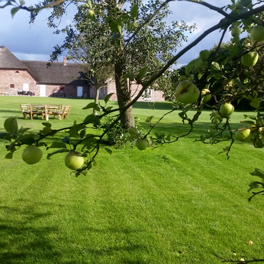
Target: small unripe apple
x=257, y=33
x=235, y=31
x=206, y=95
x=186, y=92
x=250, y=59
x=243, y=135
x=32, y=154
x=74, y=160
x=90, y=14
x=141, y=144
x=226, y=109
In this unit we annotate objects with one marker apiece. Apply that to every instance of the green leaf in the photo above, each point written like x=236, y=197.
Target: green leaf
x=5, y=136
x=14, y=10
x=92, y=119
x=58, y=145
x=107, y=109
x=133, y=132
x=66, y=140
x=92, y=105
x=107, y=98
x=149, y=118
x=258, y=143
x=189, y=68
x=134, y=11
x=130, y=76
x=142, y=73
x=255, y=103
x=74, y=130
x=215, y=66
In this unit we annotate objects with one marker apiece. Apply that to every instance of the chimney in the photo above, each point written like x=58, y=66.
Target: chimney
x=65, y=61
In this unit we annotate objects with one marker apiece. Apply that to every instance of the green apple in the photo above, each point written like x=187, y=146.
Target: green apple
x=257, y=33
x=186, y=92
x=32, y=154
x=243, y=135
x=141, y=144
x=250, y=59
x=90, y=14
x=226, y=109
x=74, y=160
x=235, y=31
x=206, y=95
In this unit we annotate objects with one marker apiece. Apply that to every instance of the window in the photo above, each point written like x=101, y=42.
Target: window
x=147, y=95
x=12, y=86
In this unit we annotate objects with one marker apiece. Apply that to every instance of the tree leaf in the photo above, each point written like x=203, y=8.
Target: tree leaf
x=92, y=119
x=92, y=105
x=255, y=103
x=14, y=10
x=134, y=11
x=58, y=145
x=215, y=65
x=142, y=73
x=107, y=98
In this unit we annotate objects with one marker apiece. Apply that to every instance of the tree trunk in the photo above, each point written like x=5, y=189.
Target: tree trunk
x=96, y=99
x=123, y=95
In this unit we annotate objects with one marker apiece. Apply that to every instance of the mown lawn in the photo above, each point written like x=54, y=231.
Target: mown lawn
x=181, y=203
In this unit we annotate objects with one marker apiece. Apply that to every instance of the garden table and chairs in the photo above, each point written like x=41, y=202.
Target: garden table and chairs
x=45, y=111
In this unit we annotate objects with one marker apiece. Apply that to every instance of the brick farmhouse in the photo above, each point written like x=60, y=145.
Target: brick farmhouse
x=56, y=79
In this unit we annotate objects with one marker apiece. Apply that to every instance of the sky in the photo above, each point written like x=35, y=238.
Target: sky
x=36, y=41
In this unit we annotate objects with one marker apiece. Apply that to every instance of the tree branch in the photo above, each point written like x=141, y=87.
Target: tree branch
x=215, y=8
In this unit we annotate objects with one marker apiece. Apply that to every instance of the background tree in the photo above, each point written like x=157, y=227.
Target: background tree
x=135, y=43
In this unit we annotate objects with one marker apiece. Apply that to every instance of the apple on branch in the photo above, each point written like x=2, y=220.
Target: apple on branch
x=32, y=154
x=186, y=92
x=74, y=160
x=226, y=109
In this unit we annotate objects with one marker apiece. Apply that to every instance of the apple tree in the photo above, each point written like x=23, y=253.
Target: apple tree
x=125, y=28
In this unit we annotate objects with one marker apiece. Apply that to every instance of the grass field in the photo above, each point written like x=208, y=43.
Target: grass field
x=181, y=203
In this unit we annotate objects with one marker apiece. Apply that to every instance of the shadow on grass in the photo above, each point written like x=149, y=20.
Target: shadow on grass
x=22, y=239
x=27, y=236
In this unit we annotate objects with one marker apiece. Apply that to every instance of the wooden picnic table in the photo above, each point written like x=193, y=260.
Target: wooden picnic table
x=45, y=111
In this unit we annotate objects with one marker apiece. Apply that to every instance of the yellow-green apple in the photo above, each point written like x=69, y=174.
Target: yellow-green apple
x=74, y=160
x=141, y=144
x=257, y=33
x=243, y=135
x=206, y=95
x=226, y=109
x=235, y=31
x=186, y=92
x=32, y=154
x=90, y=14
x=250, y=59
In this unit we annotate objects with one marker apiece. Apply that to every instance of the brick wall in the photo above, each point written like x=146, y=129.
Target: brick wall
x=150, y=95
x=12, y=81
